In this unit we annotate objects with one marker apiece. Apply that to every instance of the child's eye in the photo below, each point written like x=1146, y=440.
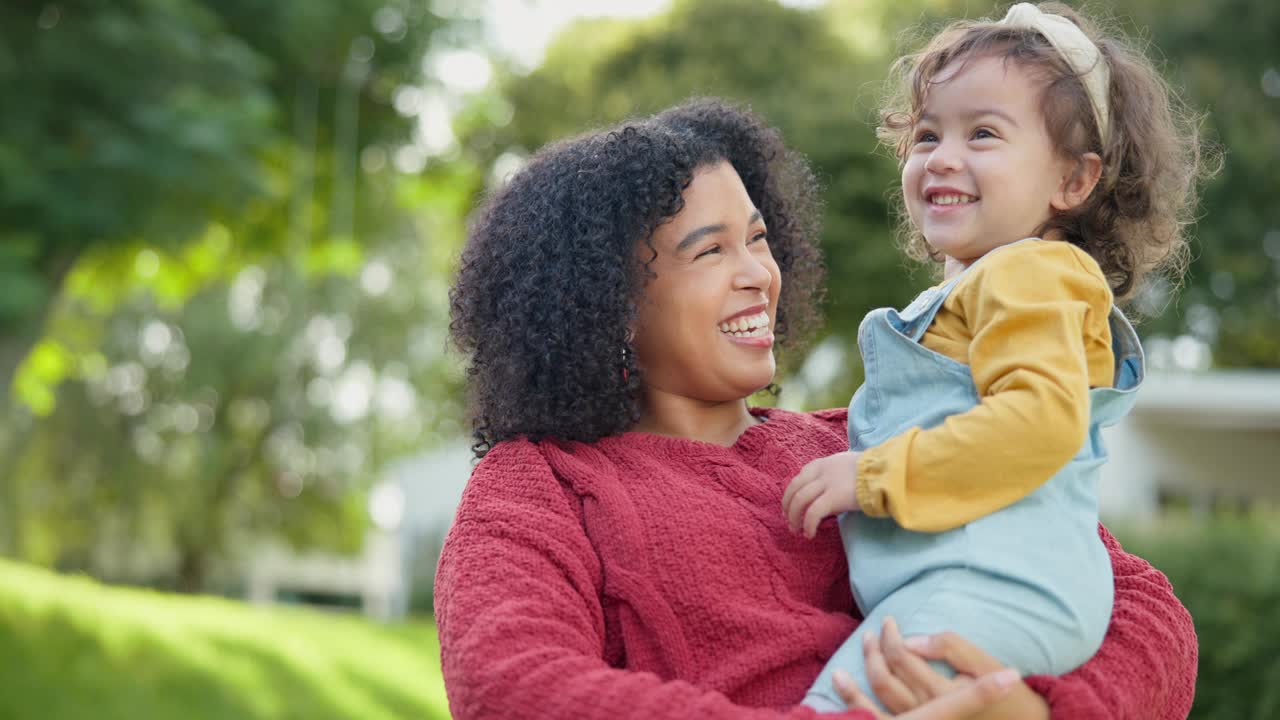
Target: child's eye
x=926, y=136
x=983, y=134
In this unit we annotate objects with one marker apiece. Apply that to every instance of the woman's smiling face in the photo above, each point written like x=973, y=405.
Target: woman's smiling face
x=705, y=324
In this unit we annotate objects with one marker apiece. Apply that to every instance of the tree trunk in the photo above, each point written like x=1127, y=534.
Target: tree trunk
x=15, y=343
x=14, y=430
x=13, y=348
x=12, y=438
x=192, y=567
x=18, y=339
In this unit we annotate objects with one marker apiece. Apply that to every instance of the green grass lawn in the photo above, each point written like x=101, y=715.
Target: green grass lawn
x=74, y=648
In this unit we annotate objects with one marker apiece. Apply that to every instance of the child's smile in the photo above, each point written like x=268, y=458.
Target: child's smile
x=944, y=200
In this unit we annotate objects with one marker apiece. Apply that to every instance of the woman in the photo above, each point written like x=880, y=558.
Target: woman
x=620, y=550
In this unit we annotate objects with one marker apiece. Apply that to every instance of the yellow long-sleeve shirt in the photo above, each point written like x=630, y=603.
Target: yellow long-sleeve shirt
x=1031, y=322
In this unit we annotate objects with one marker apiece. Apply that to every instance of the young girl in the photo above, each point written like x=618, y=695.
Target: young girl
x=1045, y=165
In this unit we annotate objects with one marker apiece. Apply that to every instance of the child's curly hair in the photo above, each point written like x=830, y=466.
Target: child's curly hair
x=550, y=275
x=1134, y=223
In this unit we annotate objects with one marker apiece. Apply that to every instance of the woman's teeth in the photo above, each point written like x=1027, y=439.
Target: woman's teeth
x=751, y=326
x=952, y=199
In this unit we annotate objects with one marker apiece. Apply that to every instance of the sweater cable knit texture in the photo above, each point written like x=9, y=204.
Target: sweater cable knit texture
x=652, y=577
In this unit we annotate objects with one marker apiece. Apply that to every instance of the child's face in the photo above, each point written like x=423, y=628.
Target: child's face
x=981, y=171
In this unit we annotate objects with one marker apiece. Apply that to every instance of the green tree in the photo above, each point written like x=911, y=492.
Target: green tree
x=161, y=147
x=1222, y=53
x=262, y=407
x=148, y=119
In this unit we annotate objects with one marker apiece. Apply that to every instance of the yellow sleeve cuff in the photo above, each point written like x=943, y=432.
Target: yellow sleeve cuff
x=870, y=486
x=882, y=486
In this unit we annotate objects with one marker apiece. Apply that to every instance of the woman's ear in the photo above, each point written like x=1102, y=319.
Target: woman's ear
x=1077, y=186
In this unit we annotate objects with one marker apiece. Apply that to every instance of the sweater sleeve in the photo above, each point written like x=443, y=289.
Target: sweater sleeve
x=1035, y=312
x=1146, y=667
x=522, y=629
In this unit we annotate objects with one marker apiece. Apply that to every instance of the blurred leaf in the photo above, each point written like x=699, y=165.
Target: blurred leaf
x=1226, y=570
x=341, y=256
x=146, y=122
x=46, y=366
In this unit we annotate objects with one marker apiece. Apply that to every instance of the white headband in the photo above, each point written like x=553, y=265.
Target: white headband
x=1077, y=49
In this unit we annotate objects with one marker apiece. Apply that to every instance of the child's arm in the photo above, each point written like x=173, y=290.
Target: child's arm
x=1035, y=311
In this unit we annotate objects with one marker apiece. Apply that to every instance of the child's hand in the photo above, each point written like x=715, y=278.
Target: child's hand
x=825, y=487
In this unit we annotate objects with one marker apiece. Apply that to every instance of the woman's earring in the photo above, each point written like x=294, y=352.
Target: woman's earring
x=626, y=374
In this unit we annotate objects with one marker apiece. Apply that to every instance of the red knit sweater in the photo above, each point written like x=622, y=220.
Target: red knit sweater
x=651, y=577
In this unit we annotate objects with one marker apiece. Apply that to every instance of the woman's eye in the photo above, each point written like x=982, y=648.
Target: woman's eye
x=759, y=236
x=708, y=251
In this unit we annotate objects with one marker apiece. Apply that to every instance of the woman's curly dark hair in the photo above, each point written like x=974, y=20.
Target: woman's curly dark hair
x=550, y=275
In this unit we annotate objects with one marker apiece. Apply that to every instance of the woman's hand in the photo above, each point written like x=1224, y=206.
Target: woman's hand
x=963, y=702
x=903, y=680
x=827, y=486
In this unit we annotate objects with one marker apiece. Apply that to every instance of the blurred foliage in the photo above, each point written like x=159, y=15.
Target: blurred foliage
x=228, y=303
x=1224, y=54
x=144, y=121
x=1227, y=573
x=261, y=406
x=76, y=649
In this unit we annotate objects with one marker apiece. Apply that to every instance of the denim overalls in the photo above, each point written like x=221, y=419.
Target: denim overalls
x=1031, y=584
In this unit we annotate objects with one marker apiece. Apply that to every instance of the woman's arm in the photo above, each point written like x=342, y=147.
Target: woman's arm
x=520, y=618
x=1146, y=667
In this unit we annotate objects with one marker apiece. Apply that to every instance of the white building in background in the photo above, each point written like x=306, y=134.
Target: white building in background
x=411, y=510
x=1205, y=437
x=432, y=483
x=374, y=578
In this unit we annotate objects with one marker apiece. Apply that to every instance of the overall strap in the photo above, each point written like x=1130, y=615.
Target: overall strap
x=916, y=318
x=1130, y=359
